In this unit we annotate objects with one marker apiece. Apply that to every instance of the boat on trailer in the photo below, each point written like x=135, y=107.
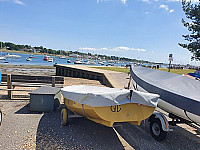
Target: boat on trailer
x=108, y=105
x=179, y=95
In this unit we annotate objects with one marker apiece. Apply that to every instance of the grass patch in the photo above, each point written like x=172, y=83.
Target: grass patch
x=178, y=71
x=118, y=69
x=127, y=70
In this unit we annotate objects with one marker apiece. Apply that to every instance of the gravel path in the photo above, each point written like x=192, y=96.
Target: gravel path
x=22, y=129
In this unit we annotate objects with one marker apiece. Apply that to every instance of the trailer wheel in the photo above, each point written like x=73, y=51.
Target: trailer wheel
x=0, y=117
x=64, y=117
x=156, y=130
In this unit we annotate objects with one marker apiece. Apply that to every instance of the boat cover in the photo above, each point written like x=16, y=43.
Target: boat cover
x=103, y=96
x=178, y=90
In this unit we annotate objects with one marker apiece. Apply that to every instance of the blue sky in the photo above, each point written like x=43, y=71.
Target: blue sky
x=141, y=29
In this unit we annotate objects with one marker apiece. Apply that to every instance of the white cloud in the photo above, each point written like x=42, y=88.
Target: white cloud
x=14, y=1
x=116, y=49
x=194, y=1
x=124, y=1
x=87, y=48
x=104, y=49
x=146, y=12
x=122, y=48
x=18, y=2
x=146, y=1
x=164, y=7
x=99, y=1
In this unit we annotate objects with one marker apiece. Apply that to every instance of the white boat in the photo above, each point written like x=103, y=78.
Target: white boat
x=68, y=61
x=89, y=62
x=179, y=95
x=182, y=99
x=77, y=61
x=92, y=62
x=101, y=62
x=50, y=59
x=12, y=56
x=62, y=57
x=108, y=105
x=28, y=59
x=2, y=58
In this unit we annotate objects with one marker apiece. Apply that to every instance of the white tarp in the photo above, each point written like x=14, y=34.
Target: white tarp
x=103, y=96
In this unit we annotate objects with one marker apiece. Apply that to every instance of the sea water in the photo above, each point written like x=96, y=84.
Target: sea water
x=38, y=60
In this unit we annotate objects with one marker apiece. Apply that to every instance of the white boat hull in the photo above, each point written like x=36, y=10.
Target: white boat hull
x=2, y=58
x=178, y=112
x=179, y=95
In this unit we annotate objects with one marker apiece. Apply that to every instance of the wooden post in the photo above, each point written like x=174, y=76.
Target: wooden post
x=53, y=81
x=57, y=70
x=169, y=66
x=9, y=85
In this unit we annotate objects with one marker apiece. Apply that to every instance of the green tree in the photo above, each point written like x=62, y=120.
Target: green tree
x=192, y=12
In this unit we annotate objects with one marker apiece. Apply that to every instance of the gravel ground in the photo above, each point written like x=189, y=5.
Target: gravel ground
x=22, y=129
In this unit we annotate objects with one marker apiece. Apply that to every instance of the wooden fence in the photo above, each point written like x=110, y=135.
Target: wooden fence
x=12, y=81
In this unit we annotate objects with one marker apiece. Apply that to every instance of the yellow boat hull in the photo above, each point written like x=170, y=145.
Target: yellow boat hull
x=129, y=112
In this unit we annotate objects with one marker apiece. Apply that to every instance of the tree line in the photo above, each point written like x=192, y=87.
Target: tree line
x=42, y=50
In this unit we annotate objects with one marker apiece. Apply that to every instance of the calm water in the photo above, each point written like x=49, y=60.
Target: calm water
x=38, y=60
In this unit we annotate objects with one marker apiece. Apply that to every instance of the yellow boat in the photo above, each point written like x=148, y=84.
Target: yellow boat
x=117, y=105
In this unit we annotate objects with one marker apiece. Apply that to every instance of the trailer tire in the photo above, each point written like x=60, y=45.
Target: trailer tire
x=156, y=130
x=64, y=117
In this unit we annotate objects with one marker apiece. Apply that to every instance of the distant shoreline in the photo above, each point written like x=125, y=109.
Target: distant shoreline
x=23, y=52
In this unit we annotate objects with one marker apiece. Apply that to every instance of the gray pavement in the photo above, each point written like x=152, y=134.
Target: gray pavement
x=22, y=129
x=121, y=78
